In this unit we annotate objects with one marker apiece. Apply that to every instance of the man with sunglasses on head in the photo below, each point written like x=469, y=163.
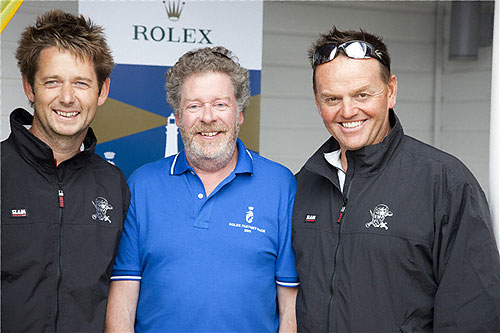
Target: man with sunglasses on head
x=206, y=245
x=390, y=234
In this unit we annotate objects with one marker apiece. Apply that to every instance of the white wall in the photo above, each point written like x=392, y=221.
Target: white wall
x=291, y=129
x=465, y=118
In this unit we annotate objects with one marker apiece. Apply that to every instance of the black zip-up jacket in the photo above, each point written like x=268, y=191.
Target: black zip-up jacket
x=407, y=247
x=60, y=230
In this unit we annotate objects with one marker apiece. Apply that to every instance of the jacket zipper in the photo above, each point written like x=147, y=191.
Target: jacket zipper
x=339, y=221
x=59, y=262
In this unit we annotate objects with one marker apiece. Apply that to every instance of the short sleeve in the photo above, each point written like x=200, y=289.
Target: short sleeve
x=286, y=275
x=127, y=263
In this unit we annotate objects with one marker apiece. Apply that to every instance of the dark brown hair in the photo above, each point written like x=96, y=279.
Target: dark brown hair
x=337, y=37
x=78, y=35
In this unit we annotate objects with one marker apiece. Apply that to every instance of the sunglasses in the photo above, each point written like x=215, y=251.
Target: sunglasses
x=355, y=49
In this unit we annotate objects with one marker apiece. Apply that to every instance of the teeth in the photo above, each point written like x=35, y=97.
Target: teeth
x=352, y=124
x=208, y=133
x=67, y=114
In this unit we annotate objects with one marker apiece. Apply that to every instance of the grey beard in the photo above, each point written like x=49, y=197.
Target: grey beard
x=210, y=164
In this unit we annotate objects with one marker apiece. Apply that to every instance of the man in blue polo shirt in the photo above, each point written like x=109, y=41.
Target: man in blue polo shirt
x=206, y=246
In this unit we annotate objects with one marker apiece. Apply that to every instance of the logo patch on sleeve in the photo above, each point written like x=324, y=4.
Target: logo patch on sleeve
x=310, y=218
x=20, y=212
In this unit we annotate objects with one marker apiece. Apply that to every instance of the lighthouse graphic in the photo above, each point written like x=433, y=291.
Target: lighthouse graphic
x=171, y=136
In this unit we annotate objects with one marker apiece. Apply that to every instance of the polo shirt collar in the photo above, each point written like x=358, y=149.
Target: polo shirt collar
x=245, y=159
x=244, y=164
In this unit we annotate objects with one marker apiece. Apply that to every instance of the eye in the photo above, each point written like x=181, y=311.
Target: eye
x=194, y=107
x=220, y=106
x=82, y=84
x=331, y=100
x=51, y=83
x=362, y=95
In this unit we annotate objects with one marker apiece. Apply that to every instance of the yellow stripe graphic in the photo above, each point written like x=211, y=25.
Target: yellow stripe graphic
x=8, y=9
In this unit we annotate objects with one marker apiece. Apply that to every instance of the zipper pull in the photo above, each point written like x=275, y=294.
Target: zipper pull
x=61, y=198
x=342, y=210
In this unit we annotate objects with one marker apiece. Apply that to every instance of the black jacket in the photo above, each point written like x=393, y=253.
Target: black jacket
x=60, y=230
x=412, y=251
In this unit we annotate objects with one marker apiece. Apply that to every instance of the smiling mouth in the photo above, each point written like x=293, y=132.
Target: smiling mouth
x=67, y=114
x=352, y=124
x=209, y=133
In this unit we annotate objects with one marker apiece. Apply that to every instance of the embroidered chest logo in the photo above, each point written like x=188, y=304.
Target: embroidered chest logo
x=249, y=216
x=310, y=218
x=101, y=208
x=21, y=212
x=247, y=226
x=380, y=212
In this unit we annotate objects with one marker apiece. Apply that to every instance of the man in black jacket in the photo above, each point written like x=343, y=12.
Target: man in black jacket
x=390, y=234
x=62, y=205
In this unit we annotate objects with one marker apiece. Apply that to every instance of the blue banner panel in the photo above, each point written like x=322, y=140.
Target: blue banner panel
x=130, y=152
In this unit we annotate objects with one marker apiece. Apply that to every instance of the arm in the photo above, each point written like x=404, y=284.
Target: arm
x=122, y=305
x=468, y=265
x=286, y=308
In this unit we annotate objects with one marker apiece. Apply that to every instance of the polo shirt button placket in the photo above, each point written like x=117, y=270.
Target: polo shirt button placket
x=200, y=196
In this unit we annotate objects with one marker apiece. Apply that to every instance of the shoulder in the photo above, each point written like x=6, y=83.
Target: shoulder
x=150, y=172
x=265, y=167
x=104, y=167
x=439, y=162
x=6, y=148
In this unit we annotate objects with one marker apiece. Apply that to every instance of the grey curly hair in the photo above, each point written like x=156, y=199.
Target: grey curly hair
x=209, y=59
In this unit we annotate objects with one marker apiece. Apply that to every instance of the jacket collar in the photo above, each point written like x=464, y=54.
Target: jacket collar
x=243, y=165
x=38, y=153
x=366, y=161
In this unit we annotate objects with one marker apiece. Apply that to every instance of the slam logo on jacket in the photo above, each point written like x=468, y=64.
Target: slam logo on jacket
x=19, y=212
x=380, y=212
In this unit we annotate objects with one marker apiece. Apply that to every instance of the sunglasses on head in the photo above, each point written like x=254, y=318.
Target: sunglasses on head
x=355, y=49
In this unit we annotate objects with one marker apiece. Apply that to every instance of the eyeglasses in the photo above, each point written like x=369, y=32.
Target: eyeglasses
x=222, y=55
x=355, y=49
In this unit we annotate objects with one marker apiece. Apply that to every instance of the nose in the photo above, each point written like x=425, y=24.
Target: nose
x=349, y=108
x=208, y=113
x=67, y=96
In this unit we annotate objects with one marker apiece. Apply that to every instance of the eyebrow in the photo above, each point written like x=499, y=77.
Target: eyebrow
x=363, y=88
x=83, y=78
x=213, y=100
x=58, y=77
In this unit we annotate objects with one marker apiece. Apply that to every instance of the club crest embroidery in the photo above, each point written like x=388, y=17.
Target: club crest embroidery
x=249, y=216
x=101, y=208
x=380, y=212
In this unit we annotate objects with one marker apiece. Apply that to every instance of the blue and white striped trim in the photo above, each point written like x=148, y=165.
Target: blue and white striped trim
x=126, y=277
x=288, y=284
x=173, y=164
x=249, y=154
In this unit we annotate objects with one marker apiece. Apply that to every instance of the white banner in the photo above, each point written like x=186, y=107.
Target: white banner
x=159, y=32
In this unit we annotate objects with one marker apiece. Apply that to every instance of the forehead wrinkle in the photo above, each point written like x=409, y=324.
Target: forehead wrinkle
x=216, y=98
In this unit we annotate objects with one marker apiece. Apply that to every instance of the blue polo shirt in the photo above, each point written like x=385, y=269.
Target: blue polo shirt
x=208, y=264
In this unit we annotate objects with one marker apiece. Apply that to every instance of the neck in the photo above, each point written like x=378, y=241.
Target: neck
x=63, y=148
x=63, y=155
x=211, y=173
x=343, y=160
